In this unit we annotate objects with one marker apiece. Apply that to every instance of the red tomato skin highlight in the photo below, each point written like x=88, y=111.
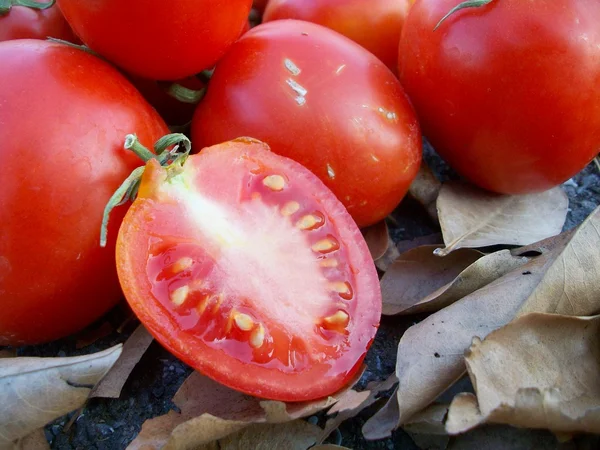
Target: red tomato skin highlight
x=374, y=24
x=64, y=116
x=507, y=93
x=26, y=23
x=320, y=99
x=133, y=244
x=156, y=39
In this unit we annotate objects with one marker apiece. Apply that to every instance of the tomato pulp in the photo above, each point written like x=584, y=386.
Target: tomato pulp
x=322, y=100
x=63, y=117
x=245, y=266
x=507, y=93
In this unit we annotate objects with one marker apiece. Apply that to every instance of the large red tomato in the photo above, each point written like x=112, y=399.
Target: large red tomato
x=23, y=22
x=63, y=117
x=157, y=39
x=315, y=96
x=244, y=265
x=374, y=24
x=508, y=92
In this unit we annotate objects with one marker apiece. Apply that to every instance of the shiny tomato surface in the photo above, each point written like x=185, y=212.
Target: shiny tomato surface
x=22, y=22
x=245, y=266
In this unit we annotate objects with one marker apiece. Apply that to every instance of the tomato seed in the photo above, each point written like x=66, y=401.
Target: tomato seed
x=257, y=338
x=339, y=319
x=326, y=245
x=290, y=208
x=243, y=321
x=182, y=264
x=343, y=288
x=310, y=222
x=179, y=295
x=274, y=182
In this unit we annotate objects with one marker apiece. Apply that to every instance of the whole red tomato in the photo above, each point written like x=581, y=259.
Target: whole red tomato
x=244, y=265
x=22, y=22
x=507, y=92
x=316, y=97
x=374, y=24
x=158, y=39
x=63, y=117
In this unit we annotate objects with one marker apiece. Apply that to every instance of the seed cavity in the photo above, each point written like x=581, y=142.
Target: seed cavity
x=330, y=262
x=257, y=338
x=343, y=288
x=274, y=182
x=290, y=208
x=243, y=321
x=179, y=295
x=182, y=264
x=327, y=245
x=310, y=222
x=338, y=320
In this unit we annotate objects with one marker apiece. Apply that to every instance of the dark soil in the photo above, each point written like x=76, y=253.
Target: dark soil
x=112, y=424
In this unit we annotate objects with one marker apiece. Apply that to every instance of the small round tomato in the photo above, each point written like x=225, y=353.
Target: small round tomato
x=64, y=115
x=22, y=22
x=245, y=266
x=374, y=24
x=507, y=93
x=316, y=97
x=158, y=39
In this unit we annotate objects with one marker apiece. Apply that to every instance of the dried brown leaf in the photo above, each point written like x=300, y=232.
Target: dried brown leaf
x=34, y=391
x=378, y=239
x=563, y=279
x=418, y=273
x=425, y=189
x=329, y=447
x=133, y=350
x=472, y=217
x=396, y=249
x=210, y=411
x=33, y=441
x=500, y=437
x=540, y=371
x=429, y=289
x=429, y=421
x=384, y=421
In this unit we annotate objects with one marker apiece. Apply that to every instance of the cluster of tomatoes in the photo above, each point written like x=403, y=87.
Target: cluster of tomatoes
x=244, y=258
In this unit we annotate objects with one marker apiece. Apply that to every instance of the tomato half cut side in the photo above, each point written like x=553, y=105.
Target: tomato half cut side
x=245, y=266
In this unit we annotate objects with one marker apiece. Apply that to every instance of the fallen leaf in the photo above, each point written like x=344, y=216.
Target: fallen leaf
x=503, y=437
x=472, y=217
x=133, y=350
x=34, y=391
x=429, y=421
x=418, y=273
x=377, y=238
x=425, y=189
x=540, y=371
x=33, y=441
x=421, y=282
x=384, y=421
x=563, y=279
x=210, y=411
x=329, y=447
x=353, y=402
x=396, y=249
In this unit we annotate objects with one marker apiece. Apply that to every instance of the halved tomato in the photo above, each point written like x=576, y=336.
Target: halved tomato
x=245, y=266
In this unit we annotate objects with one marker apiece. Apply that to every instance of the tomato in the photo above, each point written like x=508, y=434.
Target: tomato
x=63, y=117
x=260, y=5
x=22, y=22
x=156, y=39
x=245, y=266
x=374, y=24
x=507, y=93
x=317, y=97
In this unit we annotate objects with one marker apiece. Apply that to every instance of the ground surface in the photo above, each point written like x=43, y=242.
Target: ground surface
x=112, y=424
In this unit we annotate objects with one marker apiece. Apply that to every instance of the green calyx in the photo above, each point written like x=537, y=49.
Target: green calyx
x=170, y=150
x=463, y=5
x=6, y=5
x=185, y=95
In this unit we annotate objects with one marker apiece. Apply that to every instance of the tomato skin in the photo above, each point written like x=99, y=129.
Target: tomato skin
x=62, y=127
x=376, y=24
x=154, y=38
x=353, y=127
x=506, y=93
x=156, y=219
x=22, y=22
x=260, y=5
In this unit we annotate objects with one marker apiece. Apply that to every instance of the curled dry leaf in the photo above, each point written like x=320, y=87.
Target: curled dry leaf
x=425, y=189
x=378, y=239
x=211, y=411
x=133, y=350
x=34, y=391
x=421, y=282
x=418, y=273
x=540, y=371
x=396, y=249
x=563, y=279
x=427, y=429
x=33, y=441
x=472, y=217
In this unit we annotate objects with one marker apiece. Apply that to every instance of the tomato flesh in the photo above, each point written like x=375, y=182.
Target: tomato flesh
x=258, y=278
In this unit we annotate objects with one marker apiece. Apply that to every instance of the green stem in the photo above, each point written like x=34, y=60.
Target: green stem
x=6, y=5
x=132, y=143
x=185, y=95
x=463, y=5
x=77, y=46
x=205, y=75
